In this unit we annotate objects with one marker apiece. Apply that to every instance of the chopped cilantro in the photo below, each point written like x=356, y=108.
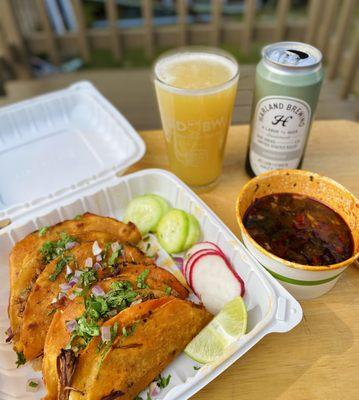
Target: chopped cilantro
x=60, y=265
x=43, y=230
x=51, y=312
x=148, y=396
x=128, y=331
x=121, y=285
x=142, y=278
x=104, y=253
x=121, y=295
x=113, y=258
x=98, y=308
x=113, y=331
x=87, y=277
x=20, y=359
x=33, y=384
x=52, y=249
x=78, y=217
x=86, y=329
x=163, y=382
x=196, y=368
x=138, y=398
x=168, y=290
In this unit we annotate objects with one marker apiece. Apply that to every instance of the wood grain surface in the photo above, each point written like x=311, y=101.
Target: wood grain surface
x=319, y=359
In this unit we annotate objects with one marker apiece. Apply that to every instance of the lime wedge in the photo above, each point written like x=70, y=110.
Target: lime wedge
x=233, y=318
x=224, y=329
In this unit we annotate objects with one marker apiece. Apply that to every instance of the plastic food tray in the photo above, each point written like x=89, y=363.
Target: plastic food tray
x=270, y=307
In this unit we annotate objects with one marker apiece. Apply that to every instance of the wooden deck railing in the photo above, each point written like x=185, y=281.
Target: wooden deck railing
x=326, y=25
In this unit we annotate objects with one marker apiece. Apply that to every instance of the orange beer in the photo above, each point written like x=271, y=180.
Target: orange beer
x=196, y=90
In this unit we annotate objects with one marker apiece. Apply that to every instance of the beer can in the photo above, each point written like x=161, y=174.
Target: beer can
x=288, y=81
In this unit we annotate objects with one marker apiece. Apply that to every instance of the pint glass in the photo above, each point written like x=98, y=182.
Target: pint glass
x=196, y=90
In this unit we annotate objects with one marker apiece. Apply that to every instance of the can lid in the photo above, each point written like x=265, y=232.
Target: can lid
x=294, y=55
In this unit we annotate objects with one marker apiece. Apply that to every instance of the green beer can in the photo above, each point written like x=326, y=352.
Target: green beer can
x=288, y=82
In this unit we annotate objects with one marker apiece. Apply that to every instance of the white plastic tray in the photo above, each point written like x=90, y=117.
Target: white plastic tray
x=271, y=308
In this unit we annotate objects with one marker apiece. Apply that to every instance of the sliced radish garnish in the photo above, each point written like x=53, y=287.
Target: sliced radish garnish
x=202, y=246
x=192, y=259
x=197, y=248
x=214, y=281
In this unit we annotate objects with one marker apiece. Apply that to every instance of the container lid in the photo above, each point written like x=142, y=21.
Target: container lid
x=60, y=143
x=293, y=55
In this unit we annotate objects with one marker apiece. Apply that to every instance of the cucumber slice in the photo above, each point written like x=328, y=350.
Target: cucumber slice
x=145, y=212
x=194, y=232
x=172, y=230
x=164, y=204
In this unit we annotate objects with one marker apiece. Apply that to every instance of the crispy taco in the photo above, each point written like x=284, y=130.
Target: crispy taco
x=48, y=292
x=31, y=255
x=118, y=293
x=145, y=339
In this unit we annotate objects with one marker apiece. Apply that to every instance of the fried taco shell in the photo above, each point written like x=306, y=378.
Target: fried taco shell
x=26, y=262
x=58, y=335
x=163, y=327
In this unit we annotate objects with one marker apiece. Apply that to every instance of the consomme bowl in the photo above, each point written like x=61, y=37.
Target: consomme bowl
x=302, y=281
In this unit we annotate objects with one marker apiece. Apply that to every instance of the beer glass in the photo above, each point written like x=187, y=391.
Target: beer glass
x=196, y=90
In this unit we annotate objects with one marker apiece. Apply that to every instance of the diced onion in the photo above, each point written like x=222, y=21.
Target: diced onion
x=136, y=302
x=68, y=270
x=78, y=273
x=70, y=245
x=96, y=249
x=97, y=266
x=32, y=385
x=71, y=325
x=65, y=287
x=72, y=295
x=178, y=261
x=99, y=258
x=98, y=291
x=105, y=333
x=115, y=246
x=73, y=281
x=61, y=296
x=153, y=389
x=88, y=262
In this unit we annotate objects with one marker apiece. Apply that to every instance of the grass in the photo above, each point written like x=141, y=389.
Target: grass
x=136, y=57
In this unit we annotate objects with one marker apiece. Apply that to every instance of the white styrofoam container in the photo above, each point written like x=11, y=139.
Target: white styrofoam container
x=270, y=307
x=73, y=178
x=60, y=143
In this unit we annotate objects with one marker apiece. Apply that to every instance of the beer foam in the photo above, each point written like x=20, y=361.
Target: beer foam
x=195, y=70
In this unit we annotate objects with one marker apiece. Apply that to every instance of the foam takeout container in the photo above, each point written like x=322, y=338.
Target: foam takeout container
x=60, y=155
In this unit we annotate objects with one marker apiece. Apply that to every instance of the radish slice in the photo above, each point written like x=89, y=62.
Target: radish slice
x=191, y=261
x=214, y=282
x=200, y=246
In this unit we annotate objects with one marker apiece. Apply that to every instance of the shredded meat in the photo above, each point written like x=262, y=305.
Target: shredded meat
x=66, y=363
x=9, y=338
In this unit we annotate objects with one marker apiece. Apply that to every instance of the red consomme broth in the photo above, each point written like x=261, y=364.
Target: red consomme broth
x=300, y=229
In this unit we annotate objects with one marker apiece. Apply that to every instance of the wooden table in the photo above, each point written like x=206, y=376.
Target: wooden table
x=319, y=359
